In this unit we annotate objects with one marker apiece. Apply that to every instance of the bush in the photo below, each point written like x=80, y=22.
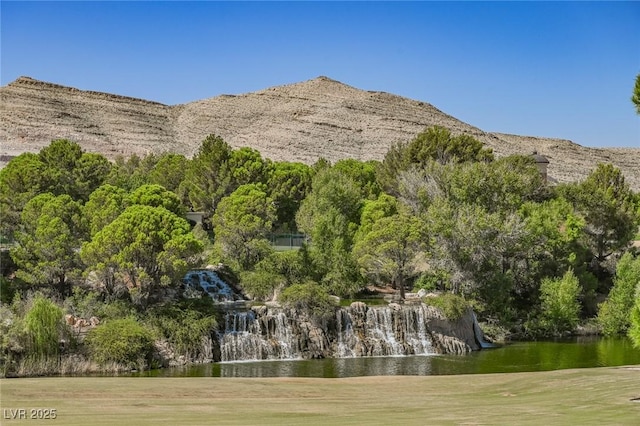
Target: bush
x=123, y=341
x=634, y=329
x=453, y=306
x=260, y=285
x=431, y=281
x=44, y=326
x=614, y=315
x=310, y=298
x=560, y=306
x=184, y=328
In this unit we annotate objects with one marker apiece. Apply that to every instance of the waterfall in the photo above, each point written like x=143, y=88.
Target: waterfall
x=260, y=335
x=210, y=283
x=382, y=331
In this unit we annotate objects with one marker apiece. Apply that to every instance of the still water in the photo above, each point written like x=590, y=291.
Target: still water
x=514, y=357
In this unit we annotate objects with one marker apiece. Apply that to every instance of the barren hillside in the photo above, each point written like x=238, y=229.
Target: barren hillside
x=298, y=122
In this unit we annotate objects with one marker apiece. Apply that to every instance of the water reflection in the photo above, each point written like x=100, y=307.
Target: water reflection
x=516, y=357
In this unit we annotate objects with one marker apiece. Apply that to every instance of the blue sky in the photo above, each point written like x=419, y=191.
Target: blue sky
x=561, y=70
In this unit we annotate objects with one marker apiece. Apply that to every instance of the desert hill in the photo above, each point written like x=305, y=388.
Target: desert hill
x=296, y=122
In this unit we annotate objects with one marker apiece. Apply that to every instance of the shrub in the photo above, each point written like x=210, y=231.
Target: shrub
x=44, y=326
x=453, y=306
x=614, y=315
x=184, y=328
x=560, y=306
x=431, y=281
x=634, y=329
x=311, y=298
x=124, y=341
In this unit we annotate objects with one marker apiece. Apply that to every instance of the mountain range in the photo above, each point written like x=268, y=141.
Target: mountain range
x=294, y=122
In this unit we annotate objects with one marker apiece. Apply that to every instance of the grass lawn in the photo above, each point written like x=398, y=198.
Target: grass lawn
x=565, y=397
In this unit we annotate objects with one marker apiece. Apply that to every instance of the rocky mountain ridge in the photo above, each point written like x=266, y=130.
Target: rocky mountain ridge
x=295, y=122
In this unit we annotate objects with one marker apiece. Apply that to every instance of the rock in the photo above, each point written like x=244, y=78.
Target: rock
x=294, y=122
x=422, y=293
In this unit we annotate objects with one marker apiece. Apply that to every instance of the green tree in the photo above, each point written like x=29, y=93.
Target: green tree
x=208, y=175
x=363, y=174
x=387, y=252
x=330, y=216
x=289, y=184
x=105, y=204
x=20, y=181
x=635, y=97
x=560, y=305
x=157, y=196
x=615, y=313
x=60, y=159
x=128, y=173
x=144, y=250
x=435, y=143
x=247, y=166
x=241, y=224
x=634, y=329
x=91, y=171
x=607, y=204
x=169, y=171
x=46, y=250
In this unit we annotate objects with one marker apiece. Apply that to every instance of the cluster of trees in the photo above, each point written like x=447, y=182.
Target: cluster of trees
x=439, y=213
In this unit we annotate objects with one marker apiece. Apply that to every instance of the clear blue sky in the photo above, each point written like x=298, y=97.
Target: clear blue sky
x=561, y=70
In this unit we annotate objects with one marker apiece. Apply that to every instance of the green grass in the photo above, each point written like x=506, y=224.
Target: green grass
x=584, y=396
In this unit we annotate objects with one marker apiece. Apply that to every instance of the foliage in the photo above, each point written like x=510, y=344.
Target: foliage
x=183, y=327
x=124, y=341
x=310, y=298
x=452, y=306
x=288, y=184
x=387, y=252
x=614, y=315
x=634, y=329
x=363, y=174
x=104, y=205
x=46, y=250
x=208, y=176
x=20, y=181
x=432, y=280
x=277, y=270
x=433, y=144
x=144, y=249
x=635, y=97
x=241, y=222
x=169, y=171
x=607, y=204
x=560, y=305
x=129, y=173
x=481, y=252
x=330, y=216
x=44, y=326
x=155, y=195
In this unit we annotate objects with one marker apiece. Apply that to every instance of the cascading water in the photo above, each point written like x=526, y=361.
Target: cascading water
x=263, y=333
x=382, y=331
x=208, y=281
x=257, y=335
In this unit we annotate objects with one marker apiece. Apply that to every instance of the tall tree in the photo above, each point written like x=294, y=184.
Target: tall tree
x=46, y=250
x=288, y=184
x=143, y=251
x=615, y=313
x=20, y=181
x=169, y=171
x=208, y=177
x=104, y=205
x=241, y=224
x=387, y=252
x=157, y=196
x=330, y=216
x=635, y=97
x=607, y=204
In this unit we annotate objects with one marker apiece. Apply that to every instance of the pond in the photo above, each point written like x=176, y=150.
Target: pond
x=510, y=358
